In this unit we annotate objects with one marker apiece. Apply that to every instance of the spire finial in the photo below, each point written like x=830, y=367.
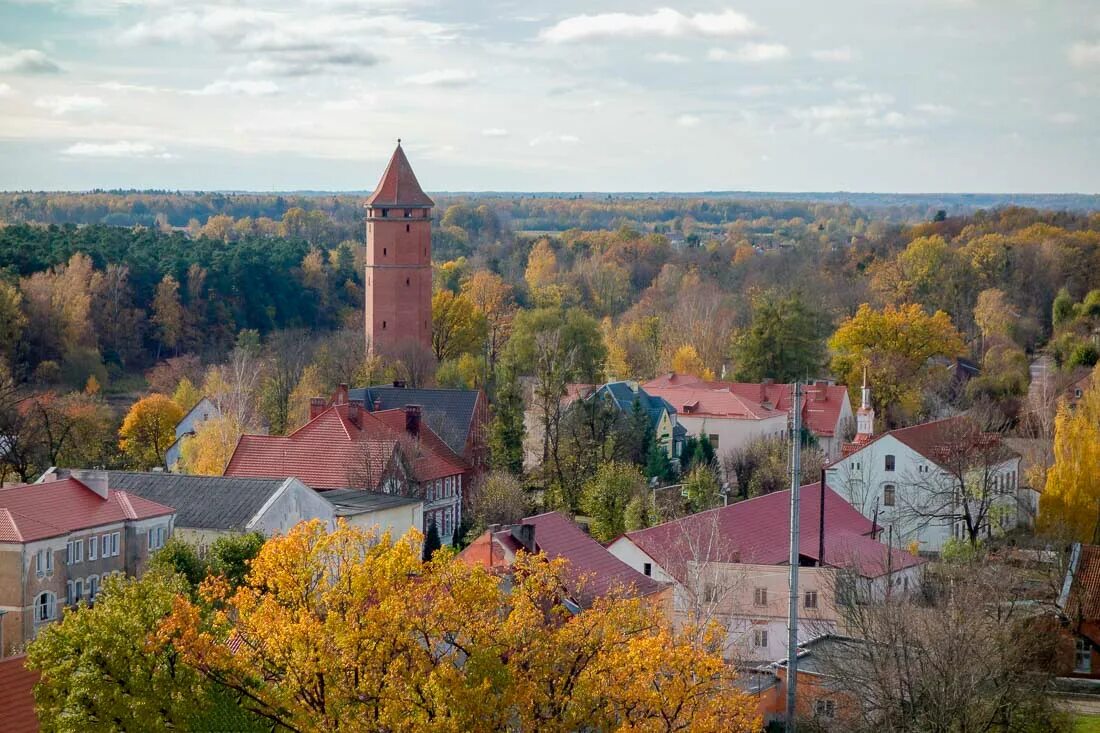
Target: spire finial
x=398, y=142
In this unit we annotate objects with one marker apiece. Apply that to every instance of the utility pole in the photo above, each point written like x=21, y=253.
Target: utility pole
x=792, y=612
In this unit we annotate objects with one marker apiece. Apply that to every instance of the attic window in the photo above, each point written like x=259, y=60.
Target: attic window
x=647, y=569
x=890, y=463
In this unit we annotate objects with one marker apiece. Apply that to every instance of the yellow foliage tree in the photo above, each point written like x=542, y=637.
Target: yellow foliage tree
x=492, y=297
x=894, y=345
x=207, y=452
x=542, y=266
x=685, y=360
x=186, y=395
x=1070, y=504
x=457, y=326
x=347, y=631
x=148, y=430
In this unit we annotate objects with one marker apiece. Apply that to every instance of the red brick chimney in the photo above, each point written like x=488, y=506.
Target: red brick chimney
x=356, y=409
x=316, y=407
x=412, y=420
x=340, y=396
x=822, y=393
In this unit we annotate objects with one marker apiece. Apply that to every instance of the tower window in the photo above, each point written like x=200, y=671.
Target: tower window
x=408, y=213
x=407, y=282
x=382, y=212
x=383, y=324
x=407, y=228
x=383, y=251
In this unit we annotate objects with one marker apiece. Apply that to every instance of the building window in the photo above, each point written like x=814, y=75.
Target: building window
x=43, y=562
x=93, y=547
x=825, y=709
x=713, y=439
x=45, y=606
x=710, y=593
x=156, y=538
x=383, y=251
x=74, y=552
x=407, y=229
x=889, y=463
x=383, y=325
x=114, y=544
x=760, y=597
x=1082, y=657
x=407, y=282
x=408, y=213
x=888, y=492
x=855, y=466
x=759, y=638
x=647, y=569
x=810, y=599
x=93, y=587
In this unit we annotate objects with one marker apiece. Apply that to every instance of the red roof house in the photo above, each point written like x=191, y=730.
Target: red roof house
x=594, y=571
x=17, y=696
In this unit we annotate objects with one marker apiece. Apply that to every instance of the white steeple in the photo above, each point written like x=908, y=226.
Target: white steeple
x=865, y=415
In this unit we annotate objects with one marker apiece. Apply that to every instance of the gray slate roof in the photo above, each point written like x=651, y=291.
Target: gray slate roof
x=357, y=501
x=201, y=502
x=448, y=412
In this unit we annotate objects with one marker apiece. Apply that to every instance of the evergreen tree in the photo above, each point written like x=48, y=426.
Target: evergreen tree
x=431, y=541
x=506, y=430
x=657, y=464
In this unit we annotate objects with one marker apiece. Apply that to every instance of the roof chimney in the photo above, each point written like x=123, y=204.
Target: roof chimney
x=822, y=393
x=412, y=420
x=525, y=535
x=316, y=407
x=340, y=397
x=94, y=479
x=355, y=411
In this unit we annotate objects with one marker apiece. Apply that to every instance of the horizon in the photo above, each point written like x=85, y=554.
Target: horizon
x=499, y=96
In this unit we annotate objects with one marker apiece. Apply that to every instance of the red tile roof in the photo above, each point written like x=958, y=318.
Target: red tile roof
x=953, y=436
x=17, y=696
x=593, y=570
x=821, y=403
x=756, y=531
x=55, y=508
x=331, y=450
x=1083, y=601
x=399, y=186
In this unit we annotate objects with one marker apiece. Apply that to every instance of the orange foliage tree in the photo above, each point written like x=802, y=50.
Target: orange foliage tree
x=343, y=631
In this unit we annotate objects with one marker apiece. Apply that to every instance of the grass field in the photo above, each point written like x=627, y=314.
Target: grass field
x=1086, y=724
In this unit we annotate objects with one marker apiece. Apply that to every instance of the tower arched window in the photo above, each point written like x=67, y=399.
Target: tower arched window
x=407, y=282
x=383, y=325
x=383, y=251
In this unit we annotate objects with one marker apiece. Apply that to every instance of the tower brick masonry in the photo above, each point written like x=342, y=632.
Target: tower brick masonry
x=399, y=261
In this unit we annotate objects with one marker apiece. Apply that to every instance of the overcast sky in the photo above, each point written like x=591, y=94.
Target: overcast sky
x=883, y=95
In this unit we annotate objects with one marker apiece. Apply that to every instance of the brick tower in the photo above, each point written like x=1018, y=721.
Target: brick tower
x=399, y=261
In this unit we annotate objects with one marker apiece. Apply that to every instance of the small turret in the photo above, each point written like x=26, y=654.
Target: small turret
x=865, y=415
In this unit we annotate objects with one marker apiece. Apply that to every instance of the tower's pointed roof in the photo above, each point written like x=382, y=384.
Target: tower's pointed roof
x=399, y=186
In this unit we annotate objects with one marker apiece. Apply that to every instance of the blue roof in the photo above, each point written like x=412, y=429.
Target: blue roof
x=625, y=394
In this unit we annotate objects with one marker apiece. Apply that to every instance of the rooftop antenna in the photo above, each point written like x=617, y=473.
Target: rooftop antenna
x=792, y=608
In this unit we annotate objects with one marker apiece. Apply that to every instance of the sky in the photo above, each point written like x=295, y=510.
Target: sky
x=529, y=95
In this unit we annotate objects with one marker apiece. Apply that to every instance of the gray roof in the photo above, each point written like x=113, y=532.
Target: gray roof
x=357, y=501
x=448, y=412
x=201, y=502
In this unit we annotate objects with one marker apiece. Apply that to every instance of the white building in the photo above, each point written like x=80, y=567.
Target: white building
x=930, y=483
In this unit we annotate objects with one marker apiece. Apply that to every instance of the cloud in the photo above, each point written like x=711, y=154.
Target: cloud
x=118, y=149
x=443, y=78
x=494, y=132
x=28, y=61
x=64, y=104
x=663, y=57
x=117, y=86
x=935, y=110
x=550, y=138
x=661, y=23
x=308, y=63
x=688, y=121
x=842, y=54
x=1085, y=54
x=247, y=87
x=6, y=90
x=1064, y=118
x=751, y=53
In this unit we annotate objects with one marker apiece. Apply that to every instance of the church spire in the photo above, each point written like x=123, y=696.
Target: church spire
x=865, y=416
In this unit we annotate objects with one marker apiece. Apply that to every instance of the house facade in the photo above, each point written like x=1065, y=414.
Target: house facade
x=913, y=483
x=730, y=565
x=204, y=410
x=60, y=537
x=734, y=414
x=345, y=446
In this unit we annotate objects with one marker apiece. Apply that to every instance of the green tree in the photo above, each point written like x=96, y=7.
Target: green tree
x=606, y=495
x=702, y=489
x=12, y=322
x=784, y=342
x=168, y=313
x=231, y=555
x=506, y=431
x=498, y=499
x=432, y=541
x=658, y=465
x=457, y=326
x=99, y=670
x=180, y=558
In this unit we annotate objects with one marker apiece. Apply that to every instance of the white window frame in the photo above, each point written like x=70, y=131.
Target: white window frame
x=69, y=598
x=891, y=491
x=93, y=587
x=105, y=545
x=1082, y=656
x=45, y=600
x=40, y=563
x=115, y=544
x=93, y=547
x=760, y=597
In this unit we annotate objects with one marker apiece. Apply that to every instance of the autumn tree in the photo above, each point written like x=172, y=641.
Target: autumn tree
x=12, y=323
x=493, y=299
x=168, y=313
x=784, y=342
x=685, y=360
x=895, y=345
x=207, y=452
x=499, y=498
x=1070, y=503
x=148, y=430
x=405, y=645
x=457, y=326
x=506, y=430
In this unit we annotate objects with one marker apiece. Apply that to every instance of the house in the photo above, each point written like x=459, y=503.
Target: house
x=594, y=572
x=733, y=414
x=729, y=564
x=822, y=695
x=209, y=507
x=17, y=694
x=624, y=396
x=345, y=446
x=460, y=417
x=371, y=510
x=60, y=537
x=910, y=481
x=203, y=410
x=1079, y=603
